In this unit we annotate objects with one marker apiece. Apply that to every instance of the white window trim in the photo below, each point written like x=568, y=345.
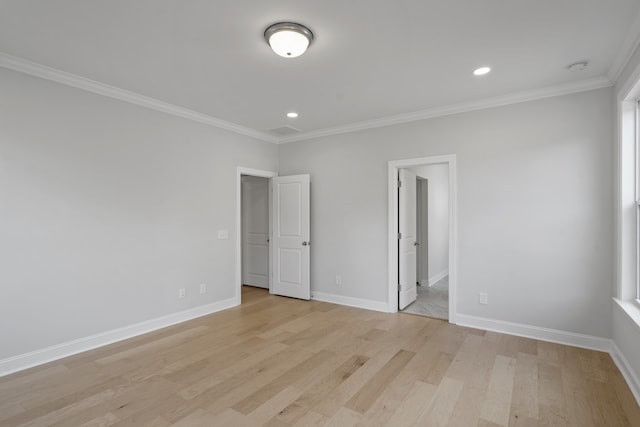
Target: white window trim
x=628, y=195
x=635, y=293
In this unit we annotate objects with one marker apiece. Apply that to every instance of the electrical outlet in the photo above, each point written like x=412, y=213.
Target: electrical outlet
x=338, y=280
x=182, y=292
x=483, y=298
x=203, y=288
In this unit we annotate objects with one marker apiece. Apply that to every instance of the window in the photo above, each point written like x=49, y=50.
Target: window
x=628, y=205
x=627, y=255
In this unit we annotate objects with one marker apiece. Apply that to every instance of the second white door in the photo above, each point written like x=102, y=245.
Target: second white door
x=407, y=238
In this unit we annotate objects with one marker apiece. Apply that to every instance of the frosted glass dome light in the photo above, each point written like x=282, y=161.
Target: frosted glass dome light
x=288, y=39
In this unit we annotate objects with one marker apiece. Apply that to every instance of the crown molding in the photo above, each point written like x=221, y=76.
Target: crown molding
x=38, y=70
x=515, y=98
x=24, y=66
x=629, y=46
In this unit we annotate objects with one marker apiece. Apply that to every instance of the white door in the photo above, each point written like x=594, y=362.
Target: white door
x=255, y=231
x=291, y=230
x=407, y=238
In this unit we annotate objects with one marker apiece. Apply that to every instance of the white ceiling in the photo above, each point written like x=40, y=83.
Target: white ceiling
x=371, y=59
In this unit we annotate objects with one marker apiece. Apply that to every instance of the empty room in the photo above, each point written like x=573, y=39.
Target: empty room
x=319, y=213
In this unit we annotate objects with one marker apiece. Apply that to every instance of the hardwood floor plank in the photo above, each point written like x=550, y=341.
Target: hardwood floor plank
x=281, y=362
x=436, y=368
x=552, y=409
x=320, y=390
x=52, y=403
x=524, y=399
x=310, y=419
x=624, y=395
x=442, y=405
x=399, y=389
x=212, y=379
x=288, y=378
x=105, y=420
x=350, y=386
x=343, y=418
x=273, y=406
x=605, y=407
x=497, y=404
x=412, y=408
x=472, y=365
x=153, y=346
x=27, y=380
x=370, y=391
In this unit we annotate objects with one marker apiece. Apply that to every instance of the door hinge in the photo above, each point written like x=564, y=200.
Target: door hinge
x=399, y=236
x=399, y=183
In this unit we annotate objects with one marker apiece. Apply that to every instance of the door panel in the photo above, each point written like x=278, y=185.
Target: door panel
x=289, y=268
x=290, y=220
x=291, y=230
x=255, y=231
x=407, y=256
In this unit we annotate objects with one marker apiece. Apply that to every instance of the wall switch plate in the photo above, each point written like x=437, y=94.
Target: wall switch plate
x=223, y=234
x=203, y=288
x=483, y=298
x=338, y=280
x=182, y=292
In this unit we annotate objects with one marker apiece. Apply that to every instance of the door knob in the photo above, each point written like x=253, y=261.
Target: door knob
x=416, y=244
x=304, y=243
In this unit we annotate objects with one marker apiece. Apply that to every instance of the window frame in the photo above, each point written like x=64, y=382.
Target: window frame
x=628, y=195
x=636, y=137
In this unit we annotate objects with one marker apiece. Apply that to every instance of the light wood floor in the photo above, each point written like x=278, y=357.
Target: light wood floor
x=279, y=362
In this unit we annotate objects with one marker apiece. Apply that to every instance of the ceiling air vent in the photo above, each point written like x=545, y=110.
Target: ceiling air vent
x=284, y=131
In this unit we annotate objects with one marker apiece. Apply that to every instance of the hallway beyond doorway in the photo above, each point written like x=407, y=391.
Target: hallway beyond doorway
x=432, y=301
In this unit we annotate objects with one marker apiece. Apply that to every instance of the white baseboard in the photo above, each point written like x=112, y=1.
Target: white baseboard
x=627, y=371
x=49, y=354
x=435, y=279
x=350, y=301
x=543, y=334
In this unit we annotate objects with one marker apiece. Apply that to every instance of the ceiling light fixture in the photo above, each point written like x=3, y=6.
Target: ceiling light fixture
x=288, y=39
x=292, y=115
x=481, y=71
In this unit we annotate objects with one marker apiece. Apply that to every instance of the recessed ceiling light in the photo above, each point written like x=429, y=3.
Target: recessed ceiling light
x=292, y=115
x=288, y=39
x=481, y=71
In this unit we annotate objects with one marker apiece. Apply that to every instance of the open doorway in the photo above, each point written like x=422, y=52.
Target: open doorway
x=429, y=225
x=278, y=259
x=253, y=231
x=432, y=241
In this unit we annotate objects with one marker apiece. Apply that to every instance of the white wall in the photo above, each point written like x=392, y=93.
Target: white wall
x=626, y=335
x=535, y=208
x=106, y=209
x=437, y=177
